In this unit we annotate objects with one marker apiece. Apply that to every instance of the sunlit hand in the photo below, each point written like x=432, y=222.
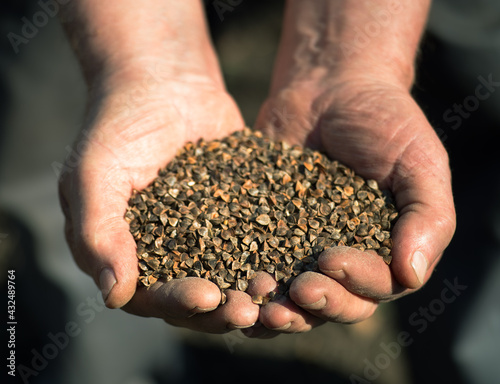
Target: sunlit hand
x=128, y=139
x=377, y=129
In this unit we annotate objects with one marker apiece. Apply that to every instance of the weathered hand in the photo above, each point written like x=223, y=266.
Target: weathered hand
x=377, y=129
x=132, y=131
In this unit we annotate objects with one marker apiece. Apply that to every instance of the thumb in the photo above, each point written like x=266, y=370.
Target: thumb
x=98, y=235
x=422, y=187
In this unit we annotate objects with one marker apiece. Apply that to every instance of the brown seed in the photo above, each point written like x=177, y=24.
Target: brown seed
x=314, y=224
x=263, y=209
x=286, y=179
x=181, y=274
x=263, y=219
x=372, y=184
x=371, y=244
x=279, y=275
x=360, y=247
x=225, y=234
x=253, y=246
x=148, y=238
x=309, y=166
x=379, y=236
x=340, y=180
x=324, y=209
x=353, y=223
x=247, y=239
x=362, y=195
x=298, y=232
x=348, y=190
x=153, y=263
x=302, y=224
x=273, y=242
x=203, y=231
x=257, y=299
x=384, y=251
x=242, y=285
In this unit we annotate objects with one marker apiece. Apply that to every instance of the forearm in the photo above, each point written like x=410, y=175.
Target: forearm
x=121, y=39
x=346, y=37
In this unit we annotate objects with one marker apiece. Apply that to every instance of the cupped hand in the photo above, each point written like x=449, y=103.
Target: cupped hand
x=377, y=129
x=132, y=130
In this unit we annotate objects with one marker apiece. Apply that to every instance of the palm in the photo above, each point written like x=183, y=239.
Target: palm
x=137, y=140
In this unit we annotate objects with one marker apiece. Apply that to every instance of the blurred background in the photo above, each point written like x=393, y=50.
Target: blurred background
x=65, y=335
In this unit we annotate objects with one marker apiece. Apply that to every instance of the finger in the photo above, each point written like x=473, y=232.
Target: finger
x=238, y=312
x=277, y=316
x=363, y=273
x=176, y=299
x=422, y=186
x=261, y=284
x=327, y=299
x=283, y=315
x=98, y=235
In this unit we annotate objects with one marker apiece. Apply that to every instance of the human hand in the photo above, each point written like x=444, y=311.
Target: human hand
x=128, y=139
x=376, y=128
x=152, y=88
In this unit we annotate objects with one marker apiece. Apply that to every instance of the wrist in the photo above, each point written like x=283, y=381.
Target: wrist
x=333, y=40
x=147, y=74
x=127, y=41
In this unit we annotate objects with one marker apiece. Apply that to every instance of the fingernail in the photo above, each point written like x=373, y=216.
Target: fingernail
x=283, y=328
x=337, y=275
x=197, y=310
x=419, y=265
x=320, y=304
x=107, y=281
x=234, y=326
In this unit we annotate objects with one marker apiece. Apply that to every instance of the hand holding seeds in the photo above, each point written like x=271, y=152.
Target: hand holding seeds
x=381, y=133
x=122, y=154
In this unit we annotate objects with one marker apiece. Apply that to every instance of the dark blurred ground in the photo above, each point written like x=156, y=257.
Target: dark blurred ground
x=42, y=97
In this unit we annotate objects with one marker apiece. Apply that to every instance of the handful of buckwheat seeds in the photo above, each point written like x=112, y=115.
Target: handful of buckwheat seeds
x=226, y=209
